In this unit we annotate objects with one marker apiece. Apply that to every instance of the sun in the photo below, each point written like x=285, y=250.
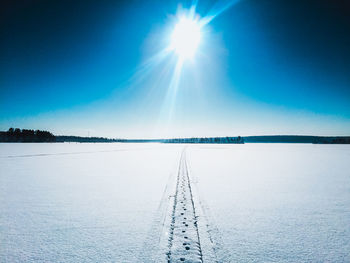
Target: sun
x=186, y=37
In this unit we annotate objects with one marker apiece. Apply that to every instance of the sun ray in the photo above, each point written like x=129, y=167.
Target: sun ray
x=218, y=9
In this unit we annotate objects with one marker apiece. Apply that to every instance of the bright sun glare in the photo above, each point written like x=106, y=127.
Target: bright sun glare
x=186, y=37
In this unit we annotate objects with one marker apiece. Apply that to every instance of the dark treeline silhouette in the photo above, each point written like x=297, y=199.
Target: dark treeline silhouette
x=24, y=135
x=339, y=140
x=86, y=139
x=298, y=139
x=238, y=139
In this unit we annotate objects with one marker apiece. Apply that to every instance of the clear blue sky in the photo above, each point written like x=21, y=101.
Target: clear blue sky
x=93, y=67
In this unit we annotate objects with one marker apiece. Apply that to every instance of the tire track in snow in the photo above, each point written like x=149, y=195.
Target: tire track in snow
x=212, y=244
x=72, y=153
x=184, y=241
x=156, y=243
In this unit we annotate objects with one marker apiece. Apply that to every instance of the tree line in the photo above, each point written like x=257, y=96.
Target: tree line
x=86, y=139
x=26, y=135
x=238, y=140
x=298, y=139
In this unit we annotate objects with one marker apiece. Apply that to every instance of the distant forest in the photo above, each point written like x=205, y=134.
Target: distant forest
x=235, y=140
x=86, y=139
x=298, y=139
x=25, y=135
x=18, y=135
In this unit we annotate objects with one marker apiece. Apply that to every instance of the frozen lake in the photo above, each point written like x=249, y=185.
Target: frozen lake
x=121, y=202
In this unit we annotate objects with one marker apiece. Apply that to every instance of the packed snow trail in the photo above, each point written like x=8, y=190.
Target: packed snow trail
x=181, y=230
x=184, y=241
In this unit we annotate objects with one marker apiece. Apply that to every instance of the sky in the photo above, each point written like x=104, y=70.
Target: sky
x=102, y=68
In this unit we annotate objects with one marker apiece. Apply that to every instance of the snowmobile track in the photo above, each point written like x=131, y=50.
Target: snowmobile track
x=184, y=241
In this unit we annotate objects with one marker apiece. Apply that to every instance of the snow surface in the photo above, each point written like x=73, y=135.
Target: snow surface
x=276, y=202
x=111, y=202
x=81, y=206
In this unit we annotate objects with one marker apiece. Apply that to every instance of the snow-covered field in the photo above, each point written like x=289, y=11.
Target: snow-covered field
x=158, y=202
